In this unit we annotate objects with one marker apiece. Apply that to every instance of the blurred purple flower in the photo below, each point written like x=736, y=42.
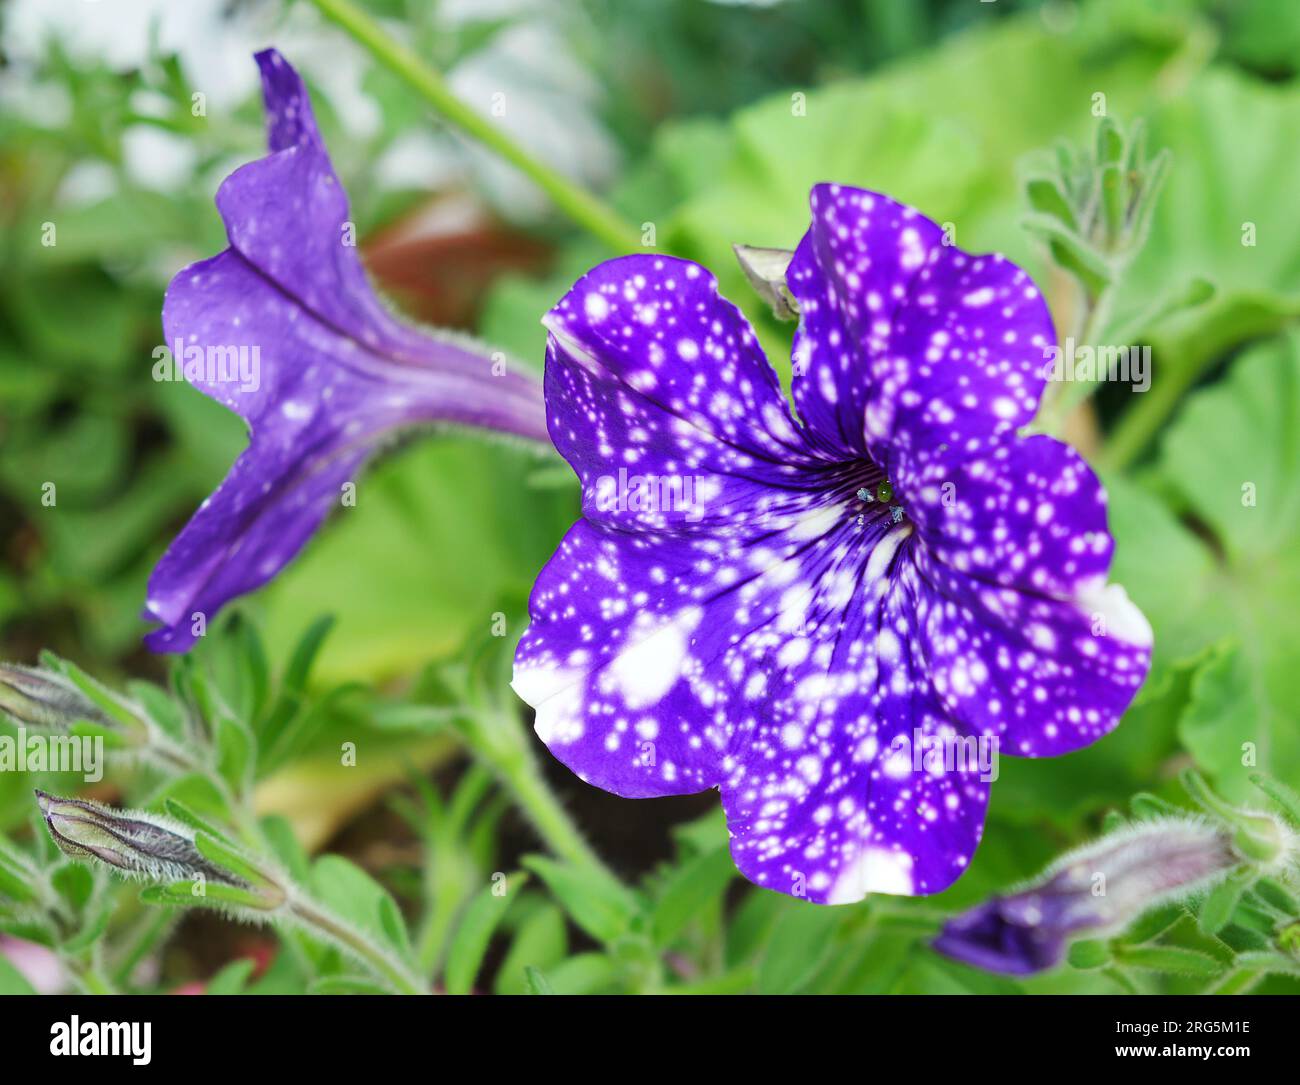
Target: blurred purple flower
x=1097, y=890
x=822, y=615
x=284, y=329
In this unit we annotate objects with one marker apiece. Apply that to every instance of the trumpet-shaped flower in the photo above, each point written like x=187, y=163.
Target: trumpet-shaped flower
x=825, y=614
x=283, y=328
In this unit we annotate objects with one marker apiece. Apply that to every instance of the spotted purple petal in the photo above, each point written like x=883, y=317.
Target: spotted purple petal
x=908, y=344
x=849, y=275
x=327, y=375
x=853, y=611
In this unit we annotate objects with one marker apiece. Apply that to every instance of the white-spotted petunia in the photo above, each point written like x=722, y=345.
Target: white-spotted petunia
x=826, y=615
x=283, y=328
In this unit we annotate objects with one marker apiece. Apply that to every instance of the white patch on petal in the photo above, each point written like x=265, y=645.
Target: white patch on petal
x=646, y=670
x=875, y=870
x=815, y=524
x=1123, y=619
x=883, y=553
x=556, y=695
x=571, y=346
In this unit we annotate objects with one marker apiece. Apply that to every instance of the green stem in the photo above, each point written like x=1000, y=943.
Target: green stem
x=87, y=975
x=320, y=921
x=581, y=206
x=523, y=779
x=1062, y=399
x=1139, y=425
x=300, y=906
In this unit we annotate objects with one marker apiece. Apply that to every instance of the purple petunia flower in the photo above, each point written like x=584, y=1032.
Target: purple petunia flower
x=823, y=617
x=1094, y=891
x=283, y=328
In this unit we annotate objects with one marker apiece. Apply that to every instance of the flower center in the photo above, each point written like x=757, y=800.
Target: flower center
x=880, y=497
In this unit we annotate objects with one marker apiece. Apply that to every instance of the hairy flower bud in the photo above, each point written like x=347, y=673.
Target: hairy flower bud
x=42, y=698
x=1094, y=891
x=136, y=843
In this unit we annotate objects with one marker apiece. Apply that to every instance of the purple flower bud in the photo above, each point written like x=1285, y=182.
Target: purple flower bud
x=1098, y=890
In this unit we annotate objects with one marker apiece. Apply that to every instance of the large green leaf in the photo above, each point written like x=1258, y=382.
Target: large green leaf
x=1232, y=462
x=1234, y=166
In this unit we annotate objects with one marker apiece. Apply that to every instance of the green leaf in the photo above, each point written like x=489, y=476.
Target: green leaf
x=1109, y=143
x=1114, y=200
x=92, y=930
x=1075, y=254
x=595, y=901
x=1276, y=894
x=1089, y=953
x=800, y=942
x=1286, y=799
x=231, y=979
x=1239, y=981
x=236, y=751
x=196, y=793
x=13, y=982
x=238, y=658
x=347, y=985
x=184, y=813
x=214, y=895
x=538, y=984
x=165, y=713
x=482, y=916
x=103, y=698
x=305, y=652
x=1152, y=924
x=1229, y=136
x=581, y=974
x=540, y=942
x=1171, y=960
x=689, y=889
x=223, y=855
x=357, y=897
x=1230, y=461
x=1045, y=196
x=74, y=882
x=284, y=842
x=397, y=607
x=1221, y=902
x=15, y=883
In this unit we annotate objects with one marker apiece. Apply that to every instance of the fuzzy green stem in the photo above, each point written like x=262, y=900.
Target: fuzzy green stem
x=316, y=919
x=1062, y=399
x=522, y=777
x=595, y=216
